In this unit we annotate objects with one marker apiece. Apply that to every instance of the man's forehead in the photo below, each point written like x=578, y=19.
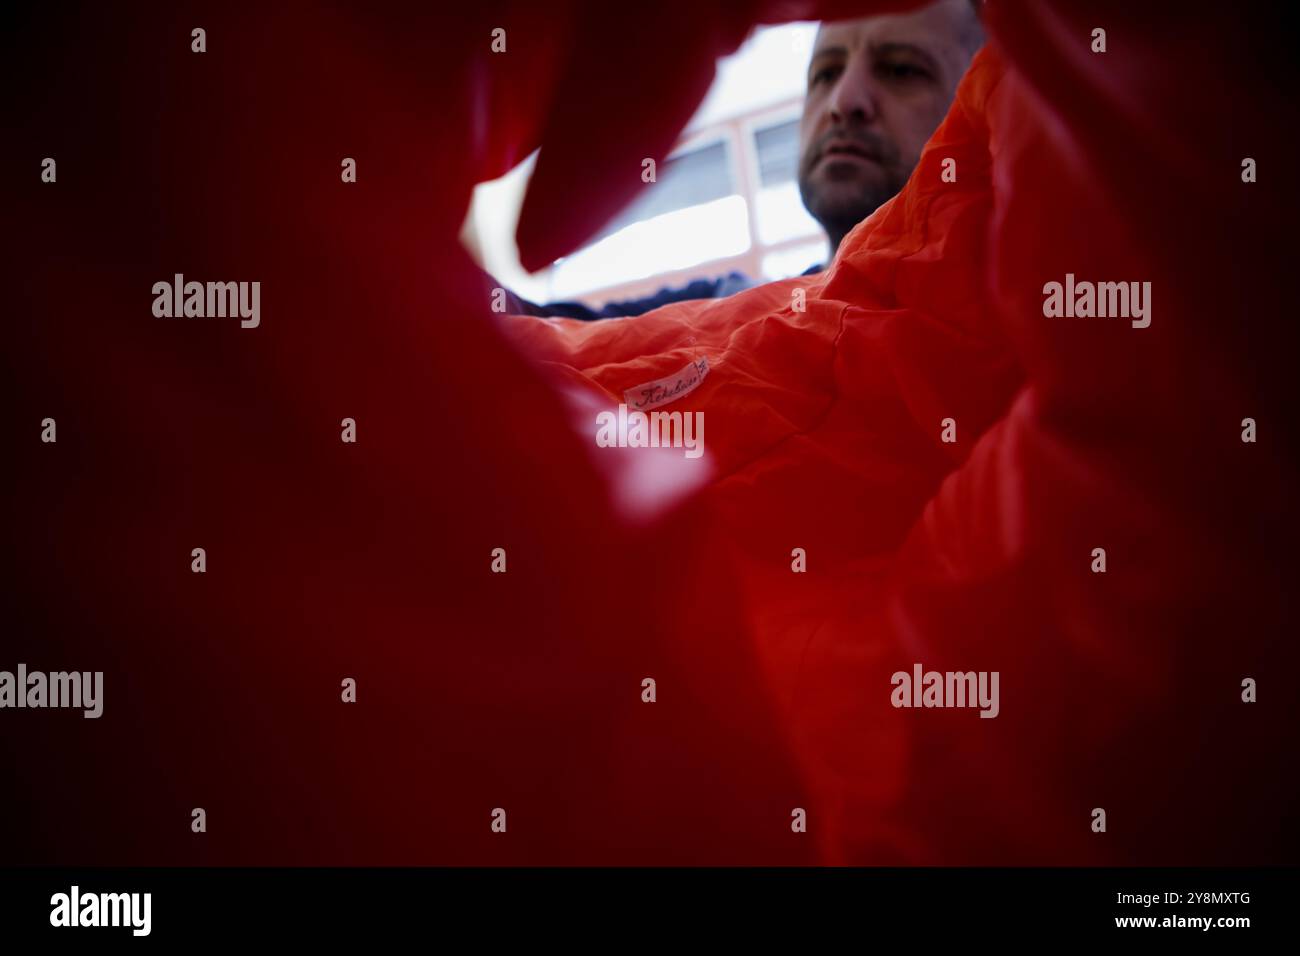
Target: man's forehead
x=927, y=27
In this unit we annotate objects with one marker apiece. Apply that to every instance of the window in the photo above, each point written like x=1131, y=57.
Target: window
x=778, y=153
x=778, y=209
x=689, y=179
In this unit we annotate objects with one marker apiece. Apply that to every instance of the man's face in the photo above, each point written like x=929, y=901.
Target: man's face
x=877, y=90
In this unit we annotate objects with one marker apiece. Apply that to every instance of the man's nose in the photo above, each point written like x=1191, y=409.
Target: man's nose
x=852, y=100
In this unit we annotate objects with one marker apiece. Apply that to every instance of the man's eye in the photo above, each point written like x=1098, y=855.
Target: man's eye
x=901, y=71
x=826, y=74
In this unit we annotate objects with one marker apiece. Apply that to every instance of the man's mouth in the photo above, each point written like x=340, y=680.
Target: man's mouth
x=841, y=148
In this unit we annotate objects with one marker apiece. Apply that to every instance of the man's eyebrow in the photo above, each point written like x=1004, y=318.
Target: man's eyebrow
x=892, y=48
x=827, y=51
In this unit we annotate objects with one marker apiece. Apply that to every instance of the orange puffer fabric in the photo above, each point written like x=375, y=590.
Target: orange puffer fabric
x=944, y=459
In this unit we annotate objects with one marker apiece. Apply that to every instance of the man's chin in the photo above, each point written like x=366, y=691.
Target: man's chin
x=846, y=200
